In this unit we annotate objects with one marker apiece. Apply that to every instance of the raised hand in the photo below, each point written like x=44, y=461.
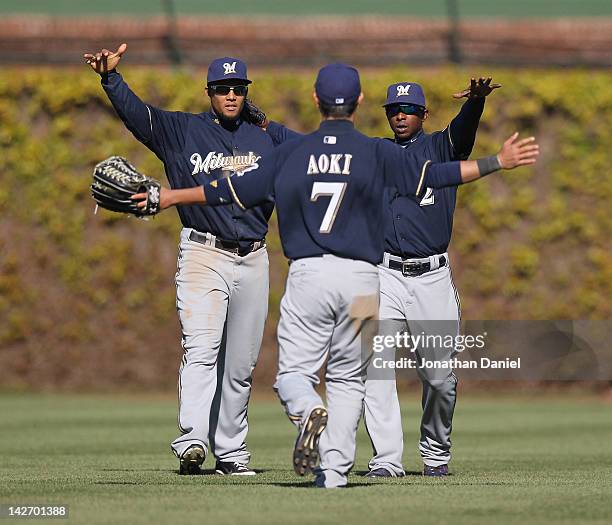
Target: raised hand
x=521, y=153
x=480, y=89
x=105, y=60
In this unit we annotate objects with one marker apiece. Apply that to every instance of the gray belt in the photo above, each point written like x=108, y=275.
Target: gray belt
x=414, y=267
x=209, y=239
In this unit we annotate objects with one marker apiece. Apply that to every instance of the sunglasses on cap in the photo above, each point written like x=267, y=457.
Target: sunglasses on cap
x=406, y=109
x=220, y=89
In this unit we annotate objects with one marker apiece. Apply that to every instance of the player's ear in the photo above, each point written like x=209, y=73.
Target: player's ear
x=425, y=115
x=316, y=99
x=360, y=99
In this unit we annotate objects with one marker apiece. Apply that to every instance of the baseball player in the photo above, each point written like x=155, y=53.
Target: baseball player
x=328, y=187
x=415, y=278
x=222, y=272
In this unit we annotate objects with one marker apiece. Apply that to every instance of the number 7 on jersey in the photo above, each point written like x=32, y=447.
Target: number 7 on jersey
x=335, y=190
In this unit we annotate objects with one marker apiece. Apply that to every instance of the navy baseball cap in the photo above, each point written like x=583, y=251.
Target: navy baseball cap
x=405, y=93
x=227, y=67
x=338, y=84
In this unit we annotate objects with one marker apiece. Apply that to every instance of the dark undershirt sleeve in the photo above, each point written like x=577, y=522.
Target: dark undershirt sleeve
x=462, y=130
x=279, y=133
x=157, y=129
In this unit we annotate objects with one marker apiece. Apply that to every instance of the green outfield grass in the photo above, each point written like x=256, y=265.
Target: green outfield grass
x=431, y=8
x=516, y=461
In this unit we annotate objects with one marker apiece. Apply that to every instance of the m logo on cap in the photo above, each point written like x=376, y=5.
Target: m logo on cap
x=229, y=68
x=403, y=90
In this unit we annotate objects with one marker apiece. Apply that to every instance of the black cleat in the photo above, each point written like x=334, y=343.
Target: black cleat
x=380, y=473
x=233, y=468
x=191, y=460
x=306, y=450
x=435, y=472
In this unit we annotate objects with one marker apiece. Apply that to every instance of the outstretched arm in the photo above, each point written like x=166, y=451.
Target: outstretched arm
x=462, y=129
x=410, y=174
x=248, y=190
x=512, y=155
x=132, y=111
x=157, y=129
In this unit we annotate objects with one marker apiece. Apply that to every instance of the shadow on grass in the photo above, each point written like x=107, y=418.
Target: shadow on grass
x=408, y=473
x=311, y=485
x=137, y=470
x=205, y=472
x=116, y=483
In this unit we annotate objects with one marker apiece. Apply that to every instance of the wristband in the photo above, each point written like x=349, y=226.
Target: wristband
x=488, y=165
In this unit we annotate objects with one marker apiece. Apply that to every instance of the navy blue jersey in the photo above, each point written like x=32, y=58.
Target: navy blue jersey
x=197, y=149
x=422, y=226
x=328, y=187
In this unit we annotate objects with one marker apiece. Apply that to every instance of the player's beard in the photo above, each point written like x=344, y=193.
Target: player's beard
x=229, y=122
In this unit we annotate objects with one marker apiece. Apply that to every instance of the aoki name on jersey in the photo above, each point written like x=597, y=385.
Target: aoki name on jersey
x=336, y=163
x=236, y=163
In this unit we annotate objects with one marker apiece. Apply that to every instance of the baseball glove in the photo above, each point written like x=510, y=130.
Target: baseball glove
x=253, y=114
x=115, y=180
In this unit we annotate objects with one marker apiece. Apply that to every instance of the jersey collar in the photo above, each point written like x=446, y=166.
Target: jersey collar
x=411, y=140
x=336, y=126
x=229, y=126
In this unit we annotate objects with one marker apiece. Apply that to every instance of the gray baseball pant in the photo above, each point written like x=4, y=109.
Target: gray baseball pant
x=431, y=296
x=222, y=303
x=327, y=300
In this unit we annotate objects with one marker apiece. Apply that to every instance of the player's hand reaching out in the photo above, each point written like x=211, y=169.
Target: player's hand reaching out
x=512, y=155
x=518, y=153
x=478, y=89
x=105, y=60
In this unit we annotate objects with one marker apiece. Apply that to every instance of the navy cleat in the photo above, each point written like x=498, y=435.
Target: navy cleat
x=306, y=450
x=191, y=460
x=380, y=472
x=233, y=468
x=435, y=472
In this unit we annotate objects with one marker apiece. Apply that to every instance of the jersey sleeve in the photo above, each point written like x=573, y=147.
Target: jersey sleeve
x=280, y=134
x=250, y=189
x=439, y=175
x=461, y=132
x=159, y=130
x=411, y=174
x=217, y=192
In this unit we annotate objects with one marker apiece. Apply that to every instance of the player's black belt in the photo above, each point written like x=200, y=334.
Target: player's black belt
x=414, y=268
x=228, y=246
